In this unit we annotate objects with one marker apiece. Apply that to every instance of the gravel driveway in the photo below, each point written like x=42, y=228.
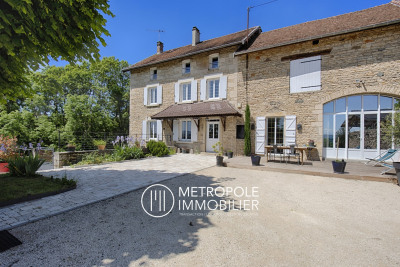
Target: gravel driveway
x=302, y=221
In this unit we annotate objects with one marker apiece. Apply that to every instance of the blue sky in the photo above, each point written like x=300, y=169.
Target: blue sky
x=133, y=35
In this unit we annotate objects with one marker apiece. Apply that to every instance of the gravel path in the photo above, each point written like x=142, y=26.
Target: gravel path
x=302, y=221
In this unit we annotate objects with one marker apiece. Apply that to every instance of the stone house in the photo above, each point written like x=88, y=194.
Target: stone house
x=332, y=80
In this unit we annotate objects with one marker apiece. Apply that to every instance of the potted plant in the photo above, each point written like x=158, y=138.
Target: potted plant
x=219, y=150
x=255, y=160
x=101, y=144
x=230, y=154
x=8, y=147
x=311, y=143
x=338, y=166
x=70, y=146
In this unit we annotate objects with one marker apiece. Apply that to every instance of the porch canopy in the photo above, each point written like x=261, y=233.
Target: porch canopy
x=197, y=110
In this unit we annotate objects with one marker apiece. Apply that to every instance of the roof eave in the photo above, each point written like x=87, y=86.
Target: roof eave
x=319, y=37
x=195, y=116
x=241, y=42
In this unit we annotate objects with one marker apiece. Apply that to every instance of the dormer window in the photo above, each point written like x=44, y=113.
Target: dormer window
x=153, y=74
x=213, y=61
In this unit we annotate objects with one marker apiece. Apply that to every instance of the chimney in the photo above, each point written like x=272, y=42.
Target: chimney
x=160, y=47
x=195, y=36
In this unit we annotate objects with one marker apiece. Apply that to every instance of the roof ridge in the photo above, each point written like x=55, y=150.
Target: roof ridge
x=395, y=2
x=332, y=16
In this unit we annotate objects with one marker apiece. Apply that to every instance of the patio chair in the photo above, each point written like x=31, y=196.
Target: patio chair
x=292, y=152
x=388, y=166
x=275, y=151
x=380, y=160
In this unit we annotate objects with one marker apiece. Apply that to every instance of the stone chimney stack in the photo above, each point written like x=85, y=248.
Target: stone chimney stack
x=160, y=47
x=195, y=36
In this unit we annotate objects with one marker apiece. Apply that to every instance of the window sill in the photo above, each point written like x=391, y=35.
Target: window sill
x=184, y=142
x=212, y=99
x=153, y=105
x=186, y=102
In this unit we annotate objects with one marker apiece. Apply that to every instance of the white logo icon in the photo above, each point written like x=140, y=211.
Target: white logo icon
x=157, y=200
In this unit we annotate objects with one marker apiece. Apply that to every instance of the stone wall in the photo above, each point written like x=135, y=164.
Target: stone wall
x=61, y=159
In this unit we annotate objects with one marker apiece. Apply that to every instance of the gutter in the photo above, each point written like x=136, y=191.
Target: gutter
x=194, y=53
x=319, y=37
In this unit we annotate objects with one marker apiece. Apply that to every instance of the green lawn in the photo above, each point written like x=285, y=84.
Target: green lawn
x=12, y=187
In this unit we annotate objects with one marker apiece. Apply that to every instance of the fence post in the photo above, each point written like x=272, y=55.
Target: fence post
x=59, y=137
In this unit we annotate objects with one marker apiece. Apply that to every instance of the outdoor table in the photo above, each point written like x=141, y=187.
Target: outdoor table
x=300, y=149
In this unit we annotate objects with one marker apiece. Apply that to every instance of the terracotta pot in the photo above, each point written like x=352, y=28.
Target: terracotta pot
x=4, y=167
x=101, y=147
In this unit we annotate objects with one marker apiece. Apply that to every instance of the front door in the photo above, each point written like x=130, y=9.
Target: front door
x=212, y=134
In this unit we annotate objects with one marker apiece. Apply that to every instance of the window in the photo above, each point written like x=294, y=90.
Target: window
x=153, y=74
x=153, y=95
x=305, y=74
x=187, y=68
x=275, y=131
x=239, y=131
x=186, y=90
x=186, y=133
x=213, y=88
x=213, y=61
x=153, y=129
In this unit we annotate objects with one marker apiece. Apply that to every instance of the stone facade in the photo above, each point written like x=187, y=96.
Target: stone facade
x=262, y=79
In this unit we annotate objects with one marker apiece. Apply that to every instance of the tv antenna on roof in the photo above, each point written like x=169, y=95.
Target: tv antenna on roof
x=159, y=31
x=248, y=15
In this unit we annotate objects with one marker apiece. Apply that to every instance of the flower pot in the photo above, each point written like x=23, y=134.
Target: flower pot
x=396, y=166
x=220, y=161
x=4, y=167
x=311, y=144
x=230, y=154
x=255, y=160
x=101, y=147
x=338, y=166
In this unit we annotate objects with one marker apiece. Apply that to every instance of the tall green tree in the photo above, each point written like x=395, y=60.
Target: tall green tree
x=247, y=132
x=33, y=31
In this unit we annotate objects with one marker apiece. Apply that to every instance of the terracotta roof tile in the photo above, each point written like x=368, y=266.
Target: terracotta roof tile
x=201, y=109
x=223, y=41
x=350, y=22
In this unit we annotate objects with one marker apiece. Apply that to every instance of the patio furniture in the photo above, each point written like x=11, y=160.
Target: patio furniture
x=380, y=160
x=292, y=152
x=309, y=152
x=275, y=151
x=301, y=151
x=388, y=166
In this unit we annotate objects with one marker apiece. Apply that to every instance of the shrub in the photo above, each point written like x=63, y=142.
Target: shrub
x=157, y=149
x=25, y=165
x=8, y=146
x=128, y=152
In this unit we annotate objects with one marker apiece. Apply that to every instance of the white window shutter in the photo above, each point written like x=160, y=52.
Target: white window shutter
x=159, y=130
x=145, y=96
x=290, y=130
x=144, y=130
x=203, y=89
x=159, y=94
x=305, y=74
x=175, y=130
x=223, y=84
x=295, y=78
x=194, y=90
x=194, y=130
x=176, y=92
x=260, y=135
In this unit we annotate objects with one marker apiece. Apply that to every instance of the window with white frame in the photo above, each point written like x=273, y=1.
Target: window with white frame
x=213, y=88
x=186, y=68
x=305, y=74
x=186, y=91
x=186, y=130
x=153, y=74
x=275, y=131
x=152, y=129
x=213, y=61
x=152, y=95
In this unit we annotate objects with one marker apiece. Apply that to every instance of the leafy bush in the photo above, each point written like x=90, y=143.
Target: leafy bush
x=247, y=132
x=99, y=142
x=25, y=165
x=97, y=158
x=157, y=149
x=128, y=152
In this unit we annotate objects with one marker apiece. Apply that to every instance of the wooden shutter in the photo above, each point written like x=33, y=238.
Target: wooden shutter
x=175, y=130
x=260, y=135
x=305, y=74
x=223, y=84
x=194, y=129
x=159, y=94
x=194, y=90
x=145, y=96
x=144, y=130
x=176, y=92
x=159, y=130
x=290, y=130
x=203, y=89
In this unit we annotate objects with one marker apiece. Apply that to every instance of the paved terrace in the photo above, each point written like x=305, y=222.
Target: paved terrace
x=100, y=182
x=355, y=170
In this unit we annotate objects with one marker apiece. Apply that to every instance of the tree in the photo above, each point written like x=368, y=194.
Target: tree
x=247, y=132
x=32, y=31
